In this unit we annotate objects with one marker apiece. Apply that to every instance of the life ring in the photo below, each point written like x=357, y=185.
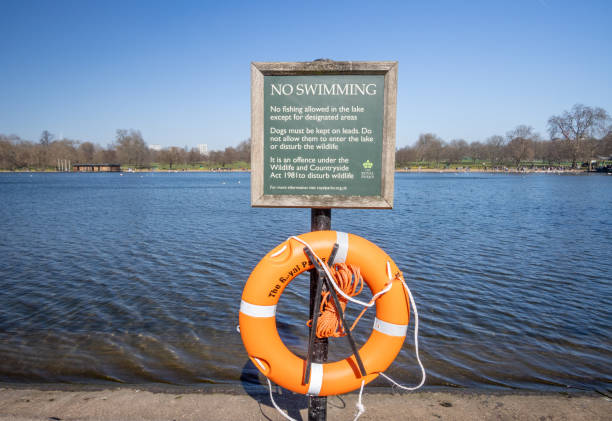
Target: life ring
x=272, y=275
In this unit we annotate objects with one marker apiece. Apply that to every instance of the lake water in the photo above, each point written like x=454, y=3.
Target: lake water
x=137, y=278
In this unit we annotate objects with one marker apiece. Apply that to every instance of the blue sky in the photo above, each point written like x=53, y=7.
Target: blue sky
x=179, y=71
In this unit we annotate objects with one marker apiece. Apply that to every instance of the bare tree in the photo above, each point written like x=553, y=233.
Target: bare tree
x=576, y=126
x=456, y=150
x=589, y=150
x=42, y=151
x=172, y=155
x=477, y=151
x=429, y=147
x=605, y=147
x=495, y=149
x=230, y=155
x=103, y=156
x=8, y=155
x=549, y=151
x=64, y=149
x=194, y=156
x=25, y=154
x=46, y=138
x=404, y=156
x=131, y=148
x=520, y=144
x=86, y=152
x=244, y=150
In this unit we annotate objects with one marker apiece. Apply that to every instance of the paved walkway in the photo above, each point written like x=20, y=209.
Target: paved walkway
x=133, y=404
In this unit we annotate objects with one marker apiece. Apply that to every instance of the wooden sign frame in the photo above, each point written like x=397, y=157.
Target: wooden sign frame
x=259, y=70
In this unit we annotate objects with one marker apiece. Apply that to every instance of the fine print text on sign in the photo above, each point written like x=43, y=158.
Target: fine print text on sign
x=321, y=139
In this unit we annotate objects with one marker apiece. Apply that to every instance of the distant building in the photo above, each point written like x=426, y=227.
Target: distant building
x=96, y=167
x=155, y=147
x=203, y=147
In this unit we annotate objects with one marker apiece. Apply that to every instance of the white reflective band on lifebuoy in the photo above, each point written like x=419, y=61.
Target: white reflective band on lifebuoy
x=255, y=310
x=316, y=379
x=342, y=240
x=259, y=363
x=390, y=329
x=280, y=251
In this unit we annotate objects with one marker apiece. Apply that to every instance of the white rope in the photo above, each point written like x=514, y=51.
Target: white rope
x=274, y=403
x=416, y=345
x=372, y=302
x=360, y=407
x=336, y=287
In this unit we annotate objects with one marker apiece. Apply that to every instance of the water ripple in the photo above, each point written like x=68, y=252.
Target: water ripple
x=137, y=279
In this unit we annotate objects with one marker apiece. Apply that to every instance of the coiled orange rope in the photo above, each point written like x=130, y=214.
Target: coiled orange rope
x=349, y=279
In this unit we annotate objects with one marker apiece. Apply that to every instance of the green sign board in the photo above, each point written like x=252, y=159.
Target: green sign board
x=321, y=136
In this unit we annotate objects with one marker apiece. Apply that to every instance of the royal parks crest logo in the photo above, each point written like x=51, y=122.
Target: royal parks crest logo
x=367, y=172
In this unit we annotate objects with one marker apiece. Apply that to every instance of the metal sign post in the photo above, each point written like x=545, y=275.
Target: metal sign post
x=320, y=220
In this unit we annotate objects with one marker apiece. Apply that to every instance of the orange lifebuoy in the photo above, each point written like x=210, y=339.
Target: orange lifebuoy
x=272, y=275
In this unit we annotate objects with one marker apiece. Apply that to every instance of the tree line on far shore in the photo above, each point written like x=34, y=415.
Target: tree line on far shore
x=128, y=149
x=577, y=136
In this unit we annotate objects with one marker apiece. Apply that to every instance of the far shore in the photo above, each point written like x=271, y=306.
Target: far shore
x=493, y=171
x=26, y=403
x=397, y=170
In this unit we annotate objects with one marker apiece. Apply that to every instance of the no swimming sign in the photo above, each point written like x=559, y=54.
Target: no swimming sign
x=323, y=134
